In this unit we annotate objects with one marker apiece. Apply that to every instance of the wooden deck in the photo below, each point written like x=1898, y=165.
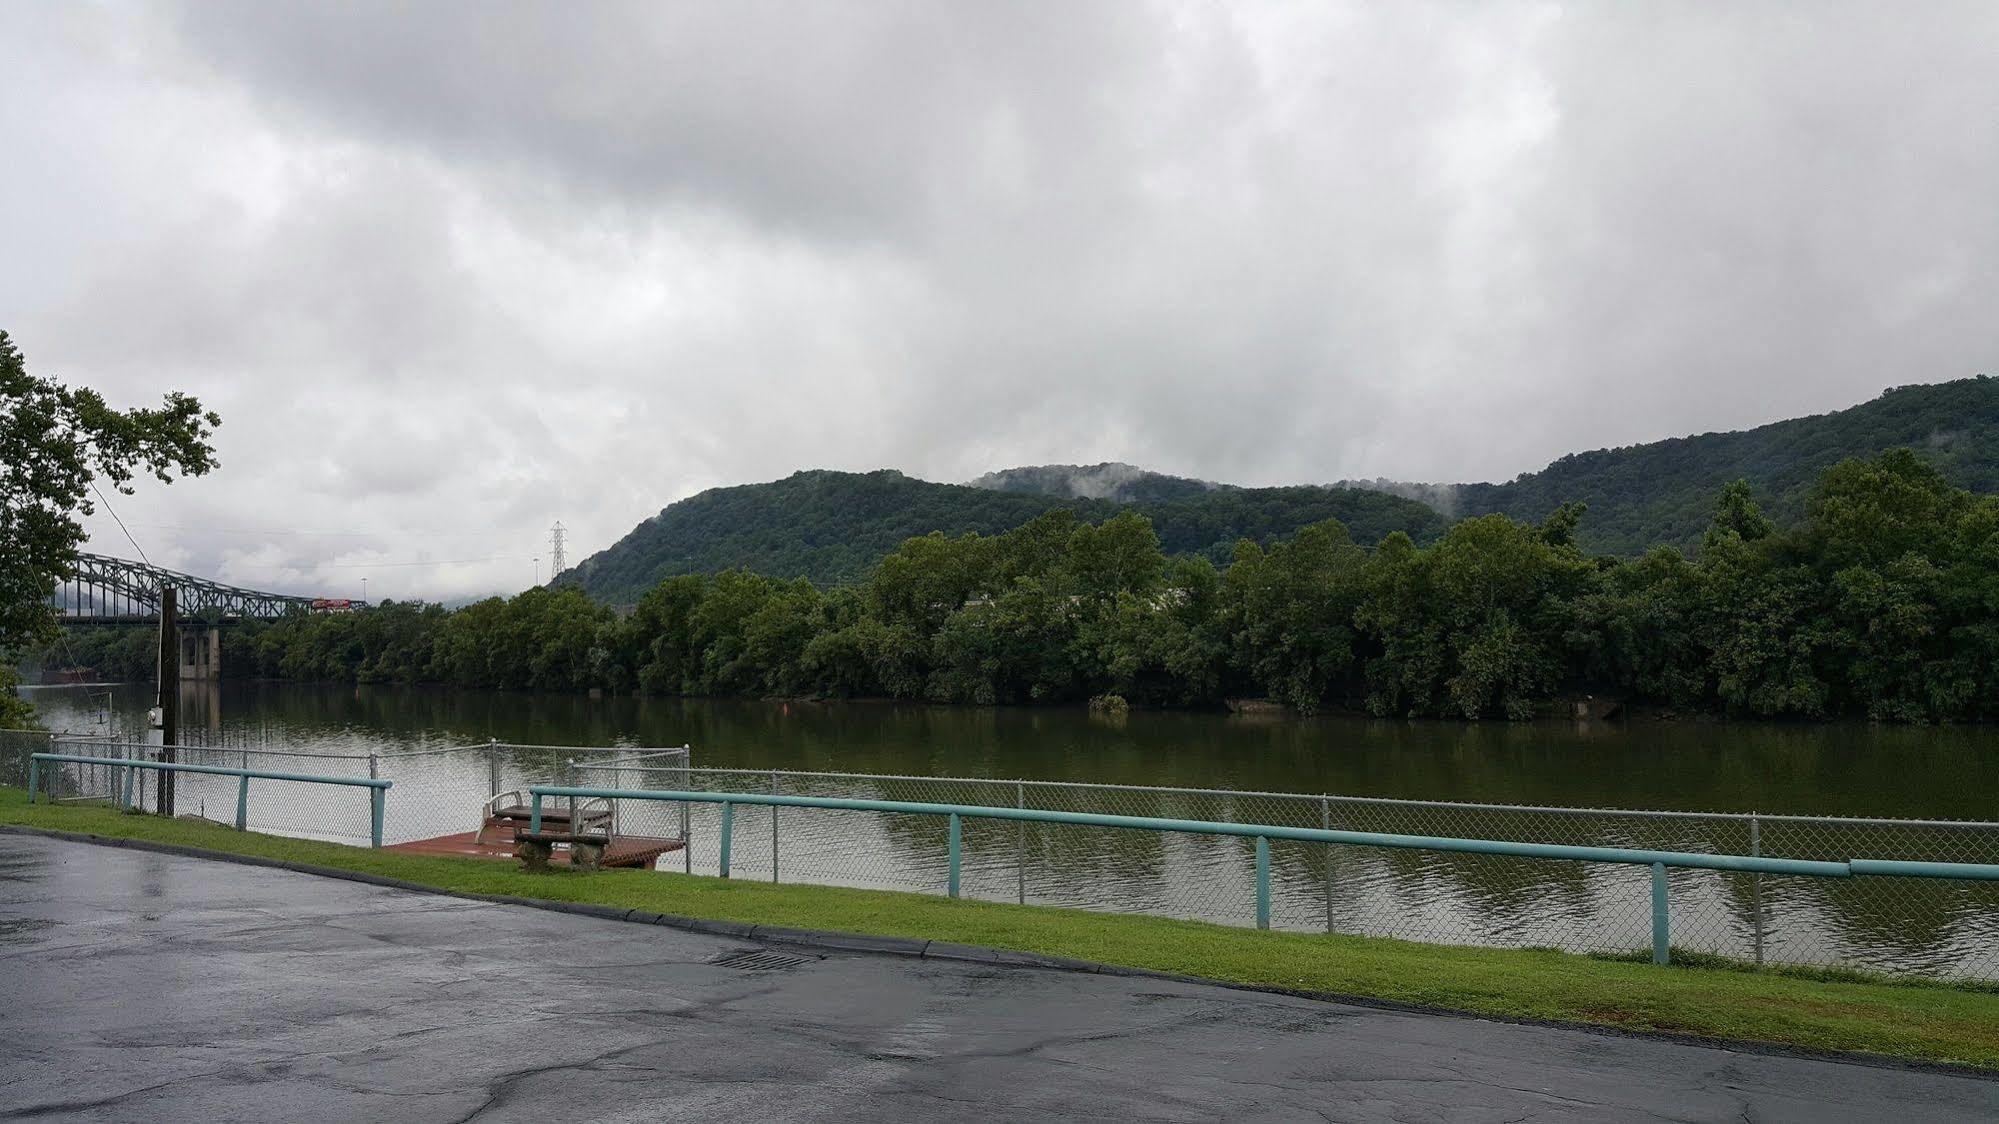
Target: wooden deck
x=626, y=850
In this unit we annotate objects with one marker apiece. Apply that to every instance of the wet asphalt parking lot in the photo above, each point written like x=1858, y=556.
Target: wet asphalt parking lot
x=144, y=986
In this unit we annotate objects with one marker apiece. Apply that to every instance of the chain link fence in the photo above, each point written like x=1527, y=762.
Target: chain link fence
x=1939, y=928
x=437, y=791
x=1926, y=927
x=15, y=746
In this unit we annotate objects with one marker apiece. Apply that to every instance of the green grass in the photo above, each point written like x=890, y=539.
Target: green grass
x=1825, y=1011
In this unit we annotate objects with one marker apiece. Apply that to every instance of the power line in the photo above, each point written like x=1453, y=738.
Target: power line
x=379, y=565
x=207, y=529
x=121, y=523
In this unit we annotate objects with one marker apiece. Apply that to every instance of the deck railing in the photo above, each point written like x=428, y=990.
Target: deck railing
x=377, y=788
x=956, y=814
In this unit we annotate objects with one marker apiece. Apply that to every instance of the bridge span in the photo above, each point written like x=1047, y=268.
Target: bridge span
x=108, y=590
x=118, y=591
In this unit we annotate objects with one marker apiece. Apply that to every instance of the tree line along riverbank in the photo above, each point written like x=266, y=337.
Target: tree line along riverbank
x=1881, y=602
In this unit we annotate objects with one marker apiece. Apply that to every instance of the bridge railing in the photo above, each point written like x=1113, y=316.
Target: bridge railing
x=955, y=817
x=126, y=770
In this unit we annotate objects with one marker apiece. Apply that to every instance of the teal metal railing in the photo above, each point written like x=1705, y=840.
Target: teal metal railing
x=131, y=765
x=1658, y=861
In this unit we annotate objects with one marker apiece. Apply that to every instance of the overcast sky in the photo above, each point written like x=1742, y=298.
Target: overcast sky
x=451, y=272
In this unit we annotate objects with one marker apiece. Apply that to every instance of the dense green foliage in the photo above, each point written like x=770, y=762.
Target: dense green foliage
x=833, y=527
x=1661, y=493
x=1122, y=483
x=55, y=442
x=1883, y=601
x=15, y=711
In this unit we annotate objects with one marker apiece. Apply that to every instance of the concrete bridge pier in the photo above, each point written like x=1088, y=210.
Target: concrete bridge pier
x=200, y=652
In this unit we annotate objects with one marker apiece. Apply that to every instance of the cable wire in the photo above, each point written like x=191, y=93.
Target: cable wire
x=120, y=522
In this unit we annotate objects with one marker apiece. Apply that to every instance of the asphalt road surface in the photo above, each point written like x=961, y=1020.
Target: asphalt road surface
x=140, y=986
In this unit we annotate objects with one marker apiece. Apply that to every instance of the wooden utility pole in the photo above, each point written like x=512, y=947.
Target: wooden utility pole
x=169, y=695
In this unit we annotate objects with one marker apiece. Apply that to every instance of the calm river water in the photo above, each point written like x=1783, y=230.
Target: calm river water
x=1838, y=769
x=1834, y=769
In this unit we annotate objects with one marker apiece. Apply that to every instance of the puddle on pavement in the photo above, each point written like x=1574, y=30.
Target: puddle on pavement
x=22, y=930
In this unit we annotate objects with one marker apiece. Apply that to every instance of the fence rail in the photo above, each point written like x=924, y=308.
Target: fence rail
x=130, y=766
x=1263, y=834
x=1933, y=922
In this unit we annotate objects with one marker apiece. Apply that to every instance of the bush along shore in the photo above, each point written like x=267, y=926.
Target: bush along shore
x=1881, y=602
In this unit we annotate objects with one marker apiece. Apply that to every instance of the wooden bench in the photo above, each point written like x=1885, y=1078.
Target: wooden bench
x=515, y=809
x=536, y=848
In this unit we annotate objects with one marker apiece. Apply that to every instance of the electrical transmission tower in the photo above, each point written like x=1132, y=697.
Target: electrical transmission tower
x=555, y=535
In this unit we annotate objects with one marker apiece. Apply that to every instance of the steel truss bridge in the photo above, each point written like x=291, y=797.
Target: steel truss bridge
x=109, y=590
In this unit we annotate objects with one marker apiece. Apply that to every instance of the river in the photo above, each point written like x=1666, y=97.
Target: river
x=1846, y=768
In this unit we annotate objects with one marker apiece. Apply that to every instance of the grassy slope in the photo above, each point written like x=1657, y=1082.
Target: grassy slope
x=1916, y=1021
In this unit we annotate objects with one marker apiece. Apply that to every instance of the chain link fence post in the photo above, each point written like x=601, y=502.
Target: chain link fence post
x=773, y=829
x=1326, y=823
x=1756, y=887
x=1020, y=845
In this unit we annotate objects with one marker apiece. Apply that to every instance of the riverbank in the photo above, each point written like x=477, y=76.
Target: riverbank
x=1916, y=1021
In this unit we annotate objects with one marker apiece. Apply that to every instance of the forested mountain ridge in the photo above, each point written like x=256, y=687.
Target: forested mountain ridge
x=1662, y=492
x=1877, y=603
x=1112, y=480
x=832, y=527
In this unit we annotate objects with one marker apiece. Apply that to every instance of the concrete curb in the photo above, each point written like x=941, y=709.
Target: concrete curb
x=919, y=948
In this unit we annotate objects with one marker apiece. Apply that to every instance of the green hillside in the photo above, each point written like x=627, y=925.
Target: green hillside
x=1641, y=496
x=833, y=526
x=1110, y=481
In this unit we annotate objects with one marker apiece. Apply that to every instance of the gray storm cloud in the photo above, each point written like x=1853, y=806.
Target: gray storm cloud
x=454, y=271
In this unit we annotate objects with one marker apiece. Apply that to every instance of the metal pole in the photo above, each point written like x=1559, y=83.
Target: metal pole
x=375, y=817
x=773, y=828
x=534, y=816
x=243, y=802
x=728, y=825
x=686, y=817
x=957, y=848
x=168, y=685
x=1662, y=921
x=35, y=780
x=1020, y=845
x=374, y=767
x=1262, y=882
x=1326, y=823
x=131, y=776
x=493, y=767
x=1756, y=887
